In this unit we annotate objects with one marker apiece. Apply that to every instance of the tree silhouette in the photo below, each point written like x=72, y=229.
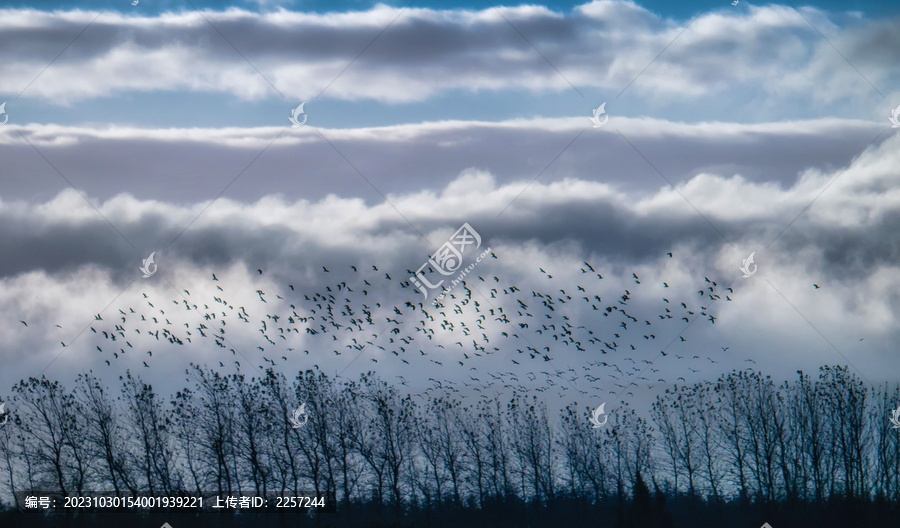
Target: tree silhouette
x=809, y=451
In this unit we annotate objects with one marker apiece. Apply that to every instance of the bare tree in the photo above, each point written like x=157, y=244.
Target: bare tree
x=49, y=432
x=104, y=435
x=533, y=440
x=368, y=445
x=215, y=421
x=146, y=422
x=253, y=422
x=732, y=392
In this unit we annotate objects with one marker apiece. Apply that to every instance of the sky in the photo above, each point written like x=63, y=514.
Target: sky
x=723, y=131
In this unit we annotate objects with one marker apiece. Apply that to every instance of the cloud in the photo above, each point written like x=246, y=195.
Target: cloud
x=62, y=264
x=196, y=164
x=814, y=197
x=761, y=51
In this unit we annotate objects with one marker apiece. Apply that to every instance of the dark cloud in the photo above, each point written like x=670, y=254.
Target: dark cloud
x=62, y=263
x=604, y=45
x=187, y=166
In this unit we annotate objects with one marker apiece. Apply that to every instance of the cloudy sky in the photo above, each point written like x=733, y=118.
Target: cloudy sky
x=163, y=127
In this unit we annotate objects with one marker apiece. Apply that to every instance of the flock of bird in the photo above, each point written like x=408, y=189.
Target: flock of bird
x=563, y=335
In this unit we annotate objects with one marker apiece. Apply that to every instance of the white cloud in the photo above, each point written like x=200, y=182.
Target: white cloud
x=763, y=51
x=69, y=266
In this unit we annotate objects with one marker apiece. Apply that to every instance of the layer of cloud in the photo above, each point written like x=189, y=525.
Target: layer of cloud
x=63, y=263
x=760, y=51
x=193, y=165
